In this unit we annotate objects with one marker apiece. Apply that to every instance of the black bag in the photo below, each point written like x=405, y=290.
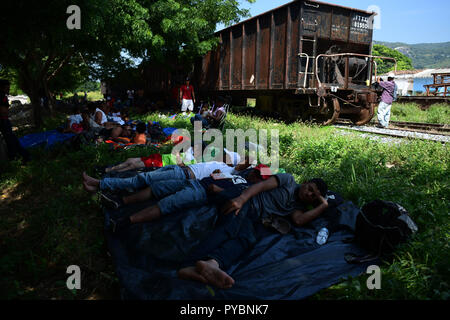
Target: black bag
x=382, y=225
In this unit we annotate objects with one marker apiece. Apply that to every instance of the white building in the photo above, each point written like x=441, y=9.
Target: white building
x=410, y=82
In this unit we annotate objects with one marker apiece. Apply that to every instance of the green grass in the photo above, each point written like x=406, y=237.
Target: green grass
x=48, y=222
x=438, y=113
x=91, y=96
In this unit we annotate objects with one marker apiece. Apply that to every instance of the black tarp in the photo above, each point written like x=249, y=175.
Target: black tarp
x=279, y=267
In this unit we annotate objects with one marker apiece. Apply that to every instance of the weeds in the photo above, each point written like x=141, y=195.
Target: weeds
x=49, y=222
x=438, y=113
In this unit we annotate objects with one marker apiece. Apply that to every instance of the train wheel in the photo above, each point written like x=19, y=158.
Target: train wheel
x=334, y=114
x=364, y=116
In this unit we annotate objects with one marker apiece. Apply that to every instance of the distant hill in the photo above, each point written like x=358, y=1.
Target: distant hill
x=424, y=55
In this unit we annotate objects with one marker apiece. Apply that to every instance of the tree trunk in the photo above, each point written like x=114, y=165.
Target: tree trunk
x=36, y=103
x=51, y=102
x=32, y=87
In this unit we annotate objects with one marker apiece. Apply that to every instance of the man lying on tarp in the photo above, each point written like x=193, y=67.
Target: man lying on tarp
x=178, y=195
x=175, y=172
x=235, y=235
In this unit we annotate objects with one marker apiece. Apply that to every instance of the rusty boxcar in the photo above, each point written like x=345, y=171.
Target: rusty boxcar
x=305, y=59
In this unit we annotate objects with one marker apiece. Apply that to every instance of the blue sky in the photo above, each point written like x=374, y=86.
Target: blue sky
x=409, y=21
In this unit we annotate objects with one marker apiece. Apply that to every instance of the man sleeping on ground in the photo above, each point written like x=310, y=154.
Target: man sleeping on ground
x=177, y=195
x=234, y=236
x=174, y=172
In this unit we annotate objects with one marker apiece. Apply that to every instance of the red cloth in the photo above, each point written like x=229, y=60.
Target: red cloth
x=266, y=169
x=187, y=92
x=77, y=127
x=153, y=161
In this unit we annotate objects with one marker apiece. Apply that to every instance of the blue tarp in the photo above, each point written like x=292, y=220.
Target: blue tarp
x=169, y=131
x=47, y=139
x=279, y=267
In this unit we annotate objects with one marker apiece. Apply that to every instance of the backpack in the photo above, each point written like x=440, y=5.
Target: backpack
x=381, y=226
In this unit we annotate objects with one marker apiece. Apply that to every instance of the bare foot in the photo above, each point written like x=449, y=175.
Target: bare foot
x=90, y=181
x=89, y=188
x=215, y=276
x=190, y=273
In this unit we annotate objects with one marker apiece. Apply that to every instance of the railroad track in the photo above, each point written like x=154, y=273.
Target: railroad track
x=424, y=131
x=431, y=128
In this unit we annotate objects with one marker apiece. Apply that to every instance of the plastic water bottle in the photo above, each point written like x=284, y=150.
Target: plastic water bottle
x=322, y=236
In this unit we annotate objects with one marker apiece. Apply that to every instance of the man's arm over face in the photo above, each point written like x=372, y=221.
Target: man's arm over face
x=266, y=185
x=301, y=218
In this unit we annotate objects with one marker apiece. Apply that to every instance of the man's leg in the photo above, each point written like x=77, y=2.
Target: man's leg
x=190, y=105
x=143, y=179
x=183, y=106
x=190, y=196
x=124, y=166
x=157, y=190
x=175, y=194
x=382, y=110
x=387, y=118
x=221, y=249
x=146, y=215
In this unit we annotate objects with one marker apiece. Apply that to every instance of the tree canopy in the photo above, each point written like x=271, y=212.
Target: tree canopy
x=46, y=56
x=384, y=66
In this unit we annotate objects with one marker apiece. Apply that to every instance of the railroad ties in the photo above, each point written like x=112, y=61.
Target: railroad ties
x=423, y=131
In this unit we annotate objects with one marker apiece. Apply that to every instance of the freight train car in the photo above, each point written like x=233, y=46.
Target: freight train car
x=305, y=59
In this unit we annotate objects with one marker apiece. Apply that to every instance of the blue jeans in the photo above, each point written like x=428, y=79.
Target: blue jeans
x=144, y=179
x=198, y=117
x=384, y=114
x=232, y=237
x=178, y=195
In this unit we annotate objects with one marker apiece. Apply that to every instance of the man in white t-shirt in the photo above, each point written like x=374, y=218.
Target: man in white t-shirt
x=174, y=172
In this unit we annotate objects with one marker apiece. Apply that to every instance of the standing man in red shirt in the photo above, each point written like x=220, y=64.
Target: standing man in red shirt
x=187, y=96
x=12, y=143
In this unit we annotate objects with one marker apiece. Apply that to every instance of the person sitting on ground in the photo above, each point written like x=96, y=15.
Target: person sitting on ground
x=74, y=122
x=140, y=136
x=235, y=235
x=173, y=172
x=100, y=116
x=202, y=116
x=212, y=118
